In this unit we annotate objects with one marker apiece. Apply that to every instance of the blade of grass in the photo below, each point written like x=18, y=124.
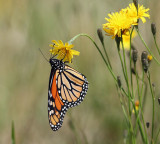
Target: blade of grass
x=13, y=133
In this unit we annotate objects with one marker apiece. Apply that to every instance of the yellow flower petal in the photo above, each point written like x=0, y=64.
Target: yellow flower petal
x=118, y=22
x=131, y=11
x=126, y=39
x=55, y=42
x=60, y=42
x=63, y=51
x=51, y=45
x=149, y=57
x=74, y=52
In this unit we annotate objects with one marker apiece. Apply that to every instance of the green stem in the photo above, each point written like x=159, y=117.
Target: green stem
x=142, y=82
x=153, y=109
x=144, y=138
x=126, y=73
x=145, y=92
x=125, y=66
x=98, y=51
x=137, y=79
x=157, y=136
x=127, y=82
x=106, y=55
x=124, y=92
x=139, y=124
x=123, y=108
x=122, y=66
x=140, y=102
x=147, y=47
x=129, y=98
x=156, y=45
x=143, y=101
x=109, y=68
x=130, y=58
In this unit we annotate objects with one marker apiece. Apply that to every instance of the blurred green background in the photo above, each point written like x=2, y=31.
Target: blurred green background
x=27, y=25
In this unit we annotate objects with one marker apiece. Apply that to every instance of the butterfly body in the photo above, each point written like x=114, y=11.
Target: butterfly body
x=67, y=88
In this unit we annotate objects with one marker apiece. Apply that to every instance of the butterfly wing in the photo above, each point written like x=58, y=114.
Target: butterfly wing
x=56, y=108
x=67, y=88
x=72, y=86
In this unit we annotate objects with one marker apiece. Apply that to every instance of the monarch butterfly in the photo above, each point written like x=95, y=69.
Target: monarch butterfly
x=67, y=88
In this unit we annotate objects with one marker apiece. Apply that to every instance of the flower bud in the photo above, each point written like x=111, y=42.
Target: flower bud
x=100, y=35
x=153, y=29
x=136, y=26
x=118, y=40
x=119, y=81
x=137, y=103
x=145, y=65
x=133, y=71
x=135, y=3
x=144, y=60
x=132, y=47
x=134, y=55
x=159, y=101
x=144, y=55
x=147, y=124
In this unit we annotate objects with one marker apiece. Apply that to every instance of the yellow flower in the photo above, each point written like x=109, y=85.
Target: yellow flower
x=137, y=103
x=149, y=57
x=126, y=39
x=131, y=12
x=63, y=51
x=136, y=106
x=118, y=22
x=121, y=22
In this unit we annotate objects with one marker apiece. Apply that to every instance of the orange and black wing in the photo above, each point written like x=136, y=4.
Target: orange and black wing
x=67, y=88
x=56, y=108
x=72, y=86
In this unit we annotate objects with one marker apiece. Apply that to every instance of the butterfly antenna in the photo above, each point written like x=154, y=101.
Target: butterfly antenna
x=43, y=55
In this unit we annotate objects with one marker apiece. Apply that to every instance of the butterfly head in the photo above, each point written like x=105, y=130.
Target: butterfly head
x=57, y=64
